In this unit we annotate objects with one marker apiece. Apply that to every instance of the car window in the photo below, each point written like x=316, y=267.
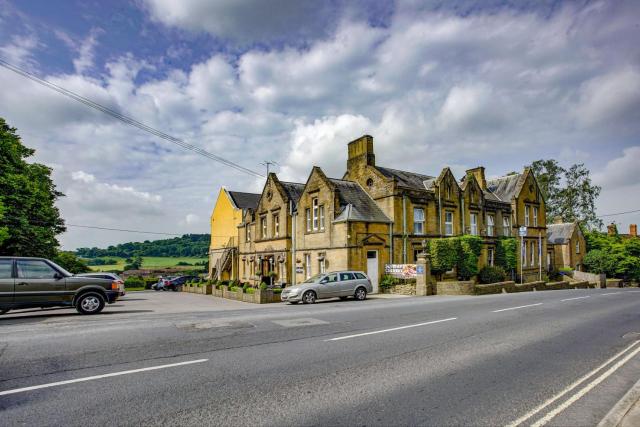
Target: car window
x=333, y=277
x=346, y=276
x=35, y=269
x=360, y=276
x=5, y=269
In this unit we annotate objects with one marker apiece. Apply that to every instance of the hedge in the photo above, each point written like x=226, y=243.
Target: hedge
x=461, y=252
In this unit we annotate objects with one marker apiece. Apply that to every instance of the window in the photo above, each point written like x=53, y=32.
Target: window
x=474, y=224
x=535, y=216
x=526, y=216
x=308, y=216
x=360, y=276
x=322, y=266
x=490, y=256
x=315, y=214
x=263, y=225
x=322, y=217
x=448, y=223
x=416, y=252
x=307, y=262
x=578, y=246
x=418, y=221
x=331, y=278
x=533, y=254
x=524, y=254
x=347, y=276
x=491, y=221
x=276, y=225
x=248, y=232
x=28, y=269
x=6, y=267
x=506, y=226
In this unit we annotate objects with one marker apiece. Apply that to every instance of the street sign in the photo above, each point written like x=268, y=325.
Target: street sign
x=522, y=231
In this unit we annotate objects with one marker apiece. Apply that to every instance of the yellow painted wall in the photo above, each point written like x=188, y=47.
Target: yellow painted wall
x=225, y=219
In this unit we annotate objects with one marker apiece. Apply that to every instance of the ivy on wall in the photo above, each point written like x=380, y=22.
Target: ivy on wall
x=460, y=252
x=506, y=255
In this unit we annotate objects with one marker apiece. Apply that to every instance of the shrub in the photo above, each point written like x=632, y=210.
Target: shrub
x=491, y=274
x=468, y=250
x=443, y=255
x=277, y=291
x=565, y=270
x=506, y=255
x=234, y=289
x=388, y=281
x=263, y=286
x=224, y=283
x=245, y=287
x=134, y=282
x=250, y=291
x=148, y=281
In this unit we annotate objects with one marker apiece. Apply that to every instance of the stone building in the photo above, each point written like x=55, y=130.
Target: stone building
x=567, y=245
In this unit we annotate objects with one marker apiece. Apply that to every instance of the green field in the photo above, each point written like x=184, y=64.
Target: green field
x=152, y=262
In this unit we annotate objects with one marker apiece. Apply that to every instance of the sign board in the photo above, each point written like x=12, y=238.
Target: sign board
x=401, y=271
x=522, y=231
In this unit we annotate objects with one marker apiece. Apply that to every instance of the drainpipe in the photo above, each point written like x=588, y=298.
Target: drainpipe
x=391, y=242
x=294, y=216
x=439, y=212
x=462, y=213
x=404, y=228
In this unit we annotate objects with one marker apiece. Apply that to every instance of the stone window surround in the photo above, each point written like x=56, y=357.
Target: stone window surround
x=448, y=223
x=473, y=227
x=491, y=225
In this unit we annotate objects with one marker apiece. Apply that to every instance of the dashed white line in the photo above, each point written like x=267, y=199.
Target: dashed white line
x=515, y=308
x=571, y=299
x=611, y=293
x=97, y=377
x=550, y=401
x=391, y=329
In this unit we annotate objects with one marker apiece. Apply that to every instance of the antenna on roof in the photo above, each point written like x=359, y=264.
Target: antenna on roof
x=268, y=163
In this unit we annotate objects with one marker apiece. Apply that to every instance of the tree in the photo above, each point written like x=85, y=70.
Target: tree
x=70, y=262
x=569, y=193
x=4, y=231
x=29, y=197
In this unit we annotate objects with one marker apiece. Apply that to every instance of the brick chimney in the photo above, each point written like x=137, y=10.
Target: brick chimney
x=633, y=230
x=479, y=174
x=612, y=230
x=557, y=220
x=361, y=151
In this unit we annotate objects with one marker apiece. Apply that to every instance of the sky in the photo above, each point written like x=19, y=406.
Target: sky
x=436, y=83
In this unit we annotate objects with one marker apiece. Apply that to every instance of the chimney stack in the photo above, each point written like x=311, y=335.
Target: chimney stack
x=361, y=151
x=633, y=230
x=612, y=230
x=557, y=219
x=479, y=174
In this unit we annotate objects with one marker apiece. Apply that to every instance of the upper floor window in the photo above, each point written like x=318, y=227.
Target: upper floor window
x=308, y=216
x=321, y=217
x=247, y=232
x=418, y=221
x=448, y=223
x=506, y=226
x=276, y=225
x=526, y=215
x=315, y=208
x=535, y=216
x=578, y=246
x=491, y=221
x=474, y=224
x=263, y=226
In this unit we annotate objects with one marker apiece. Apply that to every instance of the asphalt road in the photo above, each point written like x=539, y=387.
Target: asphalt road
x=555, y=358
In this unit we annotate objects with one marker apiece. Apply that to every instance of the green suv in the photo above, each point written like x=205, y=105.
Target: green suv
x=37, y=282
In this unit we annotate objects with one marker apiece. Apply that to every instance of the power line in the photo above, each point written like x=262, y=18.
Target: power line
x=122, y=229
x=619, y=213
x=125, y=119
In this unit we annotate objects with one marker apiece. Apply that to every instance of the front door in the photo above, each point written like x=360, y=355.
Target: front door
x=372, y=269
x=37, y=282
x=6, y=281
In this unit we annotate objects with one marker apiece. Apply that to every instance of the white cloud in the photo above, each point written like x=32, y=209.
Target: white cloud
x=84, y=61
x=19, y=50
x=621, y=172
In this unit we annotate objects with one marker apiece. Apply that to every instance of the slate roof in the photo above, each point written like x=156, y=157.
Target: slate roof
x=355, y=203
x=245, y=200
x=405, y=179
x=559, y=234
x=294, y=190
x=504, y=187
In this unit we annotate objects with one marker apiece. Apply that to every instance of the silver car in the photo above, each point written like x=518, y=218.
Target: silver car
x=341, y=284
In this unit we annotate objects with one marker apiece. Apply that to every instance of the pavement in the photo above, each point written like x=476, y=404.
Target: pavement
x=538, y=358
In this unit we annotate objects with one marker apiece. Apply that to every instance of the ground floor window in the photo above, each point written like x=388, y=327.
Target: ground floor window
x=416, y=252
x=322, y=266
x=490, y=257
x=307, y=262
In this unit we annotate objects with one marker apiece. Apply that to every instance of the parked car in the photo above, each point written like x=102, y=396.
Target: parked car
x=110, y=276
x=160, y=285
x=175, y=283
x=341, y=284
x=38, y=282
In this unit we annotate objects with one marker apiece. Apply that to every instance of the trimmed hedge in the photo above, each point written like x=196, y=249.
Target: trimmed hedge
x=460, y=252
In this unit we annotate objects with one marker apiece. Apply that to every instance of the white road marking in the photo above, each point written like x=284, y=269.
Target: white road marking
x=391, y=329
x=544, y=420
x=571, y=299
x=515, y=308
x=548, y=402
x=97, y=377
x=611, y=293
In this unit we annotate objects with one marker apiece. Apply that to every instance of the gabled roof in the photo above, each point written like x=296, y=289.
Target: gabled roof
x=559, y=234
x=355, y=203
x=405, y=179
x=244, y=200
x=294, y=190
x=505, y=188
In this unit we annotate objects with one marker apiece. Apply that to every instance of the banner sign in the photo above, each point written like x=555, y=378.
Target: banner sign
x=401, y=271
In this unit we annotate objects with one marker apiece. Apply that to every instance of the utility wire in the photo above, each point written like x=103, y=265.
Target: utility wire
x=125, y=119
x=619, y=213
x=121, y=229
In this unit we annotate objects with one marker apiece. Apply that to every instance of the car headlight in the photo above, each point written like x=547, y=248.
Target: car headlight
x=293, y=293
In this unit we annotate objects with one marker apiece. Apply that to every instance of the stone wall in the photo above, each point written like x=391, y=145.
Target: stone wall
x=599, y=279
x=408, y=288
x=455, y=288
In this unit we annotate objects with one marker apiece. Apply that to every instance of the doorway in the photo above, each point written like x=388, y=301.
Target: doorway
x=372, y=269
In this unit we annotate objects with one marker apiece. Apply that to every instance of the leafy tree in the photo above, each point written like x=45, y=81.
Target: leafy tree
x=613, y=255
x=569, y=193
x=4, y=232
x=33, y=220
x=194, y=245
x=70, y=262
x=134, y=264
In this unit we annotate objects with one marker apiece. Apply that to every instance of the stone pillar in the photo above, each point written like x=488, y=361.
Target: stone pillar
x=424, y=284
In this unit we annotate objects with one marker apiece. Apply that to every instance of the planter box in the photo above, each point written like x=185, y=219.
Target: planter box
x=216, y=292
x=579, y=285
x=557, y=286
x=614, y=283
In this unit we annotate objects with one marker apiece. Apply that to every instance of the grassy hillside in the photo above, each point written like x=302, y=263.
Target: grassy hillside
x=153, y=262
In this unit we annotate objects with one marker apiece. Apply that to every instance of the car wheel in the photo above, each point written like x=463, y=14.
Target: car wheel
x=90, y=303
x=174, y=289
x=361, y=294
x=309, y=297
x=3, y=311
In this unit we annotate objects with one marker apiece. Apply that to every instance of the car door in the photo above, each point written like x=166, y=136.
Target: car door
x=37, y=281
x=7, y=282
x=346, y=286
x=328, y=286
